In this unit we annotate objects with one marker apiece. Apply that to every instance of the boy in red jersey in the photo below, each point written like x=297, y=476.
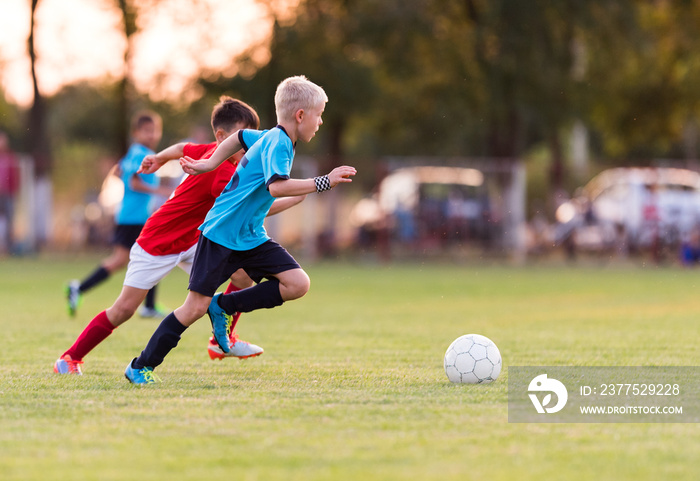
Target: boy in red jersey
x=170, y=236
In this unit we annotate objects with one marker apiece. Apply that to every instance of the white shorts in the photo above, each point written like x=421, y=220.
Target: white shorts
x=146, y=270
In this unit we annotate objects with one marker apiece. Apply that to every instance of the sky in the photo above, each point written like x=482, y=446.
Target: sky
x=82, y=40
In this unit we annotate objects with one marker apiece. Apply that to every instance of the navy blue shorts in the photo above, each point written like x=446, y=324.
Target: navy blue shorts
x=126, y=234
x=214, y=264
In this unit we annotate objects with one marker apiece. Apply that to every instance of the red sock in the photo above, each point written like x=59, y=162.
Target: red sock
x=234, y=321
x=94, y=333
x=231, y=288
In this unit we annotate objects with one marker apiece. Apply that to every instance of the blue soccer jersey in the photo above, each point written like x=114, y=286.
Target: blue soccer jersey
x=236, y=219
x=136, y=206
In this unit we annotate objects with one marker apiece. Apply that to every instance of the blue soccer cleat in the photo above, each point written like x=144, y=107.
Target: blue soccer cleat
x=145, y=375
x=220, y=323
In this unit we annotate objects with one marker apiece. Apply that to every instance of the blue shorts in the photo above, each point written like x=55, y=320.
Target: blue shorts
x=126, y=234
x=214, y=264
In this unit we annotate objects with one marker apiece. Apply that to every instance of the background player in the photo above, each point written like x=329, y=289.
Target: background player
x=136, y=206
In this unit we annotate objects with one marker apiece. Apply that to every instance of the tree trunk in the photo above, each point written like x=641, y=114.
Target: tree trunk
x=327, y=238
x=124, y=94
x=38, y=138
x=40, y=150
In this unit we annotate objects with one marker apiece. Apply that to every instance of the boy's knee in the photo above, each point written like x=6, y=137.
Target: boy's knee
x=199, y=308
x=120, y=312
x=299, y=286
x=194, y=308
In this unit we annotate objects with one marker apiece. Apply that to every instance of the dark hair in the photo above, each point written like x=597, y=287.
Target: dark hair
x=229, y=111
x=144, y=117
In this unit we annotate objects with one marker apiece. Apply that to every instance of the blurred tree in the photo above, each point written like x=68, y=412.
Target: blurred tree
x=645, y=79
x=426, y=79
x=126, y=90
x=322, y=43
x=84, y=113
x=429, y=78
x=10, y=118
x=40, y=148
x=37, y=134
x=491, y=78
x=132, y=23
x=515, y=66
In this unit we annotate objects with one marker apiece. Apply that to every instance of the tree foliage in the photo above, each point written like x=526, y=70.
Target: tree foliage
x=474, y=77
x=471, y=77
x=645, y=79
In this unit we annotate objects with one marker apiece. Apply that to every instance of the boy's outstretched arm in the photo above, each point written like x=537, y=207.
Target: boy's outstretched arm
x=138, y=185
x=153, y=162
x=292, y=187
x=226, y=149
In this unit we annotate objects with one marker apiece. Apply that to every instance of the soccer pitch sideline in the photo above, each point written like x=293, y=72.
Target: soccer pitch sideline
x=351, y=385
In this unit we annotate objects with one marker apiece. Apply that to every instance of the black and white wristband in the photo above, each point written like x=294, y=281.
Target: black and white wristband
x=323, y=183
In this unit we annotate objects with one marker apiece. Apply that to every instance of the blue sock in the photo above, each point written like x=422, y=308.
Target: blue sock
x=265, y=295
x=163, y=340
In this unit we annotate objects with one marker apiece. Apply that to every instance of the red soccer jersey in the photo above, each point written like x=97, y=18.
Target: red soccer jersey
x=173, y=228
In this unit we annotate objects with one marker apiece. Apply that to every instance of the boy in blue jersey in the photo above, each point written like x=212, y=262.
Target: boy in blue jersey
x=233, y=235
x=136, y=207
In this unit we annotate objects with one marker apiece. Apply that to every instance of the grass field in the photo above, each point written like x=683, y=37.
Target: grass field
x=351, y=385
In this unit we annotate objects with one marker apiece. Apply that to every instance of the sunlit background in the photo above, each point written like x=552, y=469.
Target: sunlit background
x=84, y=40
x=533, y=99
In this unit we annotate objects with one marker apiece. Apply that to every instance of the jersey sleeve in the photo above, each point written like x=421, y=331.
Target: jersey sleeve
x=130, y=163
x=277, y=160
x=247, y=137
x=197, y=151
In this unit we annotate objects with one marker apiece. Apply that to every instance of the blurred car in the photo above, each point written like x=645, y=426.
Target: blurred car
x=426, y=203
x=631, y=207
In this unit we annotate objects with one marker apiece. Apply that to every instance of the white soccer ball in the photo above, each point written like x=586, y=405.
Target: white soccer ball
x=472, y=359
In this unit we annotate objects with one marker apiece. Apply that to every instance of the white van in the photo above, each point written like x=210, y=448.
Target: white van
x=638, y=206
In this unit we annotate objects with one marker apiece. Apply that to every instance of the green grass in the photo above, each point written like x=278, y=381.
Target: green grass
x=351, y=385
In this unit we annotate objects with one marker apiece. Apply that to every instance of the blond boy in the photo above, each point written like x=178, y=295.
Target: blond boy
x=233, y=236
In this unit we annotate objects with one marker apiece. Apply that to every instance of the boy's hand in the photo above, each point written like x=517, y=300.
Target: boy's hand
x=341, y=174
x=149, y=164
x=193, y=167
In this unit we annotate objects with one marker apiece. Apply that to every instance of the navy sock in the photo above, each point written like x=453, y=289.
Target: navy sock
x=163, y=340
x=97, y=276
x=150, y=301
x=265, y=295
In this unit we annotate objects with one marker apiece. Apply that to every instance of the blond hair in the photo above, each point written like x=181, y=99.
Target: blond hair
x=296, y=93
